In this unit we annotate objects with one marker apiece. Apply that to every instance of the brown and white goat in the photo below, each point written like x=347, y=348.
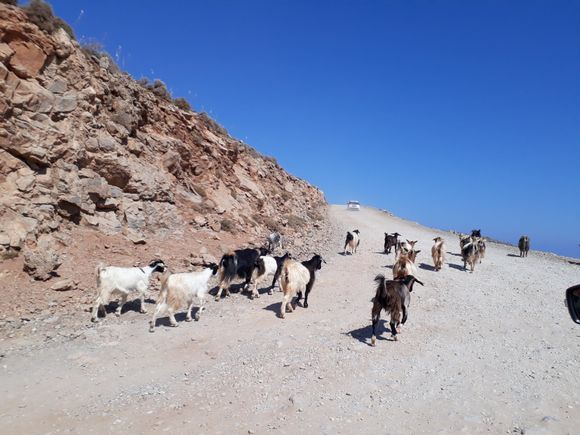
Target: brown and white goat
x=438, y=253
x=405, y=265
x=481, y=247
x=406, y=246
x=297, y=278
x=393, y=296
x=463, y=240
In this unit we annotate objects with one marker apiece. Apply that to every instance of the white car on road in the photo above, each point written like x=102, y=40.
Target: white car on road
x=353, y=205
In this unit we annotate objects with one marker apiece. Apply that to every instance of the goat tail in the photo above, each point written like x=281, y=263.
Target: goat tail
x=380, y=279
x=164, y=278
x=228, y=267
x=100, y=267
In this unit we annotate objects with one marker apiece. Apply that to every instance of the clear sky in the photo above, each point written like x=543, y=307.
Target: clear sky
x=456, y=114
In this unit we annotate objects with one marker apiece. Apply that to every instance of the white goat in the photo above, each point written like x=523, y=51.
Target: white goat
x=180, y=289
x=297, y=278
x=265, y=266
x=121, y=281
x=274, y=241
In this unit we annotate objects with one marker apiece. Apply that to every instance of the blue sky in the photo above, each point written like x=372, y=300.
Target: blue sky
x=456, y=114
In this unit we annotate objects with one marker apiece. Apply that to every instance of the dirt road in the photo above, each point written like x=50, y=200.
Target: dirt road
x=493, y=351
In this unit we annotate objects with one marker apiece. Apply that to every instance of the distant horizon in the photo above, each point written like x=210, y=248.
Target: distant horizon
x=455, y=114
x=487, y=236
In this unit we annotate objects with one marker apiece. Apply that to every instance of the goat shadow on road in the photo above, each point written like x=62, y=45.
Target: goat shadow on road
x=239, y=289
x=364, y=334
x=275, y=307
x=575, y=263
x=426, y=266
x=134, y=305
x=457, y=266
x=180, y=317
x=454, y=254
x=512, y=255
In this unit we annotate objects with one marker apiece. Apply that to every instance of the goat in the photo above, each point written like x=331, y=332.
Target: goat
x=122, y=281
x=464, y=240
x=274, y=240
x=438, y=252
x=394, y=297
x=391, y=241
x=481, y=248
x=265, y=266
x=406, y=246
x=524, y=245
x=181, y=289
x=279, y=263
x=405, y=265
x=475, y=233
x=239, y=263
x=352, y=241
x=470, y=253
x=297, y=278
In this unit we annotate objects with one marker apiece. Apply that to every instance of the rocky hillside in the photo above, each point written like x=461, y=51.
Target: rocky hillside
x=85, y=146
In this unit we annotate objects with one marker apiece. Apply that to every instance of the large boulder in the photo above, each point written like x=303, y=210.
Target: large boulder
x=41, y=263
x=28, y=58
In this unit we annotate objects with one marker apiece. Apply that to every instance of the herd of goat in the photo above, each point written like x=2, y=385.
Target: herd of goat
x=254, y=265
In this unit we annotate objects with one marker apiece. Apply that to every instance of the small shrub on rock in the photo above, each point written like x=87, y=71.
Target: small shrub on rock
x=182, y=103
x=40, y=13
x=227, y=225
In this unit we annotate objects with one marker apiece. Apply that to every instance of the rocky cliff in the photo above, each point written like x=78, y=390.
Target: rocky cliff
x=84, y=146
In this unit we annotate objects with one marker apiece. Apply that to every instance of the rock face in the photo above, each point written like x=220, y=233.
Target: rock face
x=82, y=144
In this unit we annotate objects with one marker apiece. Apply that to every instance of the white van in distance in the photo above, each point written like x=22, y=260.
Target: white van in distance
x=353, y=205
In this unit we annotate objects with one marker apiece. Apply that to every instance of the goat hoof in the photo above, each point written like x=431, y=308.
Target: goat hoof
x=117, y=314
x=142, y=311
x=197, y=317
x=395, y=338
x=174, y=325
x=94, y=320
x=151, y=329
x=305, y=305
x=188, y=319
x=217, y=298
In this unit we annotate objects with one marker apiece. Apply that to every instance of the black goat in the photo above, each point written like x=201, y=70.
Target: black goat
x=470, y=253
x=524, y=245
x=391, y=241
x=239, y=263
x=393, y=296
x=475, y=233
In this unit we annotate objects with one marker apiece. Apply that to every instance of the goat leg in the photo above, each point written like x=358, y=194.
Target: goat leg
x=376, y=315
x=188, y=317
